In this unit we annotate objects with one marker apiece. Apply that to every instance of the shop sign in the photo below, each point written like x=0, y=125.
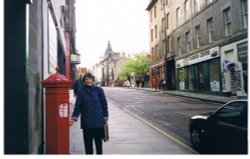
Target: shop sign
x=182, y=85
x=215, y=86
x=242, y=51
x=181, y=63
x=75, y=59
x=203, y=56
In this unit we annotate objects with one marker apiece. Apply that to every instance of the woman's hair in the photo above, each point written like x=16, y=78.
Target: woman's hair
x=88, y=75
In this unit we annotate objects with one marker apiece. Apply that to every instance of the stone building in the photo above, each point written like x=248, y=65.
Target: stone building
x=204, y=43
x=109, y=67
x=34, y=44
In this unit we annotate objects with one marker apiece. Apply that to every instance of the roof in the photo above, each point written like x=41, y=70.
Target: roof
x=151, y=4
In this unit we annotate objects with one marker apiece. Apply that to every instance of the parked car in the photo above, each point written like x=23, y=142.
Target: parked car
x=223, y=131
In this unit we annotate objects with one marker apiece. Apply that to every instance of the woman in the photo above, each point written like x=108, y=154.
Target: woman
x=91, y=103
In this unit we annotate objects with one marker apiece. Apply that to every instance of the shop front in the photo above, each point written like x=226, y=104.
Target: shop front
x=234, y=68
x=157, y=73
x=199, y=72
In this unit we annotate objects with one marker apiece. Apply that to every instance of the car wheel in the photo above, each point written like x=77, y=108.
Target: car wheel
x=196, y=138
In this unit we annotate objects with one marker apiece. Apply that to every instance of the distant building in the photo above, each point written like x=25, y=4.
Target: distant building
x=109, y=67
x=200, y=45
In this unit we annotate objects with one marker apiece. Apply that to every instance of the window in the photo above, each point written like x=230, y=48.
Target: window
x=151, y=16
x=163, y=25
x=177, y=17
x=167, y=24
x=209, y=1
x=197, y=36
x=156, y=52
x=164, y=46
x=210, y=29
x=166, y=2
x=231, y=113
x=169, y=49
x=197, y=6
x=244, y=13
x=152, y=34
x=155, y=31
x=179, y=45
x=155, y=11
x=152, y=53
x=188, y=41
x=227, y=21
x=187, y=9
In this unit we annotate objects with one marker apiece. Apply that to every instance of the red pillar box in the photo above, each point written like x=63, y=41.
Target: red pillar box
x=57, y=113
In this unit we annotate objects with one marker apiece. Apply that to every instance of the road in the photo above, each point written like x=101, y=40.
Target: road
x=166, y=112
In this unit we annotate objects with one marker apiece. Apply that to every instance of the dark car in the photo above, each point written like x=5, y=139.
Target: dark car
x=223, y=131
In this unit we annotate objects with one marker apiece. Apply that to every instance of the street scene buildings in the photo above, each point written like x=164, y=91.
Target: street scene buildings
x=199, y=45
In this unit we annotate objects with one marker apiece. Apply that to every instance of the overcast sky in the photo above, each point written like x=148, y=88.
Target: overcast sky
x=123, y=22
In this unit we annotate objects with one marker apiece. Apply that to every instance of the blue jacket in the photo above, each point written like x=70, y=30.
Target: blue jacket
x=91, y=103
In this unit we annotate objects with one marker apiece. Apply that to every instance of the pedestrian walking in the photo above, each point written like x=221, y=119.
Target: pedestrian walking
x=78, y=85
x=142, y=83
x=137, y=82
x=91, y=104
x=164, y=83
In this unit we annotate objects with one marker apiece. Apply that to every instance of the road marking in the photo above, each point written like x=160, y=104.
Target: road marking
x=163, y=132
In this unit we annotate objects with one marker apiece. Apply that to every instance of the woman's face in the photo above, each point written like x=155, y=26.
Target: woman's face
x=89, y=81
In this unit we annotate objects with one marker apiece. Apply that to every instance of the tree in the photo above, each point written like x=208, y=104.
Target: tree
x=139, y=65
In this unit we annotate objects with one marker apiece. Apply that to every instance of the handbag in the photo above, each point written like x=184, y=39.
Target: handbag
x=106, y=132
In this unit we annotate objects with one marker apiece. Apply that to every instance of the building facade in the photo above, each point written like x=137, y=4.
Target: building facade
x=109, y=67
x=34, y=44
x=207, y=43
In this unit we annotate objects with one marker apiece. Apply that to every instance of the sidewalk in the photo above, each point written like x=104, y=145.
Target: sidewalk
x=206, y=97
x=128, y=135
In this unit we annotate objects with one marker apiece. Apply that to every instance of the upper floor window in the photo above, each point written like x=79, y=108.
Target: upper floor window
x=210, y=29
x=164, y=46
x=197, y=6
x=151, y=16
x=187, y=9
x=156, y=51
x=152, y=34
x=155, y=11
x=166, y=2
x=178, y=17
x=156, y=31
x=169, y=48
x=163, y=25
x=227, y=21
x=167, y=23
x=244, y=13
x=197, y=36
x=179, y=45
x=188, y=41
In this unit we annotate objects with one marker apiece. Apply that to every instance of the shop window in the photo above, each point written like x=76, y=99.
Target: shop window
x=214, y=74
x=181, y=78
x=191, y=77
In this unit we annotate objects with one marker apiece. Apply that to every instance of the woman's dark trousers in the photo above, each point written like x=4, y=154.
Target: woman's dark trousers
x=89, y=135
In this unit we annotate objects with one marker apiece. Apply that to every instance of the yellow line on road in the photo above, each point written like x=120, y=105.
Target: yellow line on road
x=163, y=132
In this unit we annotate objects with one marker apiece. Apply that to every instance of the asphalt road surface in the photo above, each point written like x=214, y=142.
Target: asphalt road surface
x=166, y=112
